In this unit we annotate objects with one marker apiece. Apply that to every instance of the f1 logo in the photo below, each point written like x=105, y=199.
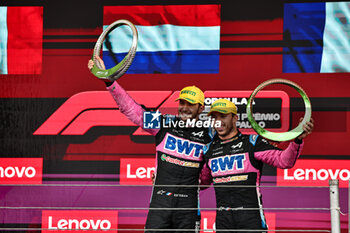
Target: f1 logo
x=151, y=120
x=94, y=108
x=98, y=108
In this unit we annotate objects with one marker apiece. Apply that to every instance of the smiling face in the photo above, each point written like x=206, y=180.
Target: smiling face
x=187, y=110
x=228, y=126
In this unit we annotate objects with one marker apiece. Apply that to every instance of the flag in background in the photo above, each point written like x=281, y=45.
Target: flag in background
x=318, y=37
x=172, y=38
x=21, y=32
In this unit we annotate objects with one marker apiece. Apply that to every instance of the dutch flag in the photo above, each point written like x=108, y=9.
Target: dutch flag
x=172, y=38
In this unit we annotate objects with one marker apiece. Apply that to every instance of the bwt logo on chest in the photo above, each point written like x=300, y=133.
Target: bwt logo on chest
x=227, y=163
x=183, y=146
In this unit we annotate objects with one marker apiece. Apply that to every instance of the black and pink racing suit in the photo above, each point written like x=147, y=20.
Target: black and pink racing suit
x=238, y=162
x=179, y=156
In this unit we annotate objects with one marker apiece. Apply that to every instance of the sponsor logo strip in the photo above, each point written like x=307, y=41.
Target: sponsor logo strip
x=230, y=179
x=227, y=164
x=315, y=173
x=136, y=171
x=79, y=221
x=21, y=170
x=181, y=148
x=208, y=221
x=179, y=162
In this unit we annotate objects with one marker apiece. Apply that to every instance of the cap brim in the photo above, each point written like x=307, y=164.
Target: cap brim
x=218, y=110
x=188, y=100
x=211, y=111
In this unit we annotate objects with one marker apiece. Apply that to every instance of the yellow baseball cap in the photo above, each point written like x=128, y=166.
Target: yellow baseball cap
x=192, y=94
x=224, y=106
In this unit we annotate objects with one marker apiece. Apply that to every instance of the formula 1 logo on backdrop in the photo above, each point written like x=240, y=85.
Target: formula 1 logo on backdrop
x=94, y=108
x=85, y=110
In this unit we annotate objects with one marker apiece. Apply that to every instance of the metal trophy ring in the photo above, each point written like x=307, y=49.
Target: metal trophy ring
x=117, y=71
x=286, y=136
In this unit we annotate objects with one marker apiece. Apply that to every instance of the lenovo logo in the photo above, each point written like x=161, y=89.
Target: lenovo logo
x=58, y=221
x=208, y=221
x=10, y=172
x=21, y=170
x=136, y=171
x=315, y=173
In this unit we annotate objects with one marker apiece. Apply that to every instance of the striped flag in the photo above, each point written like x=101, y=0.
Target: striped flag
x=172, y=38
x=21, y=32
x=317, y=37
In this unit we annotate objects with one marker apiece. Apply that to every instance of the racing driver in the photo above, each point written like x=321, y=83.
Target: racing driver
x=237, y=159
x=179, y=156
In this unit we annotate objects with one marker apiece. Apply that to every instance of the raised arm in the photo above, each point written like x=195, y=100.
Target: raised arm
x=279, y=158
x=271, y=155
x=127, y=105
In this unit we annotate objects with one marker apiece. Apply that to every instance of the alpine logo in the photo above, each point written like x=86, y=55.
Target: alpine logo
x=238, y=145
x=227, y=163
x=199, y=134
x=161, y=192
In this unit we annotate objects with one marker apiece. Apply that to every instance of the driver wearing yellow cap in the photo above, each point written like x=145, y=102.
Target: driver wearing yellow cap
x=191, y=102
x=237, y=159
x=179, y=158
